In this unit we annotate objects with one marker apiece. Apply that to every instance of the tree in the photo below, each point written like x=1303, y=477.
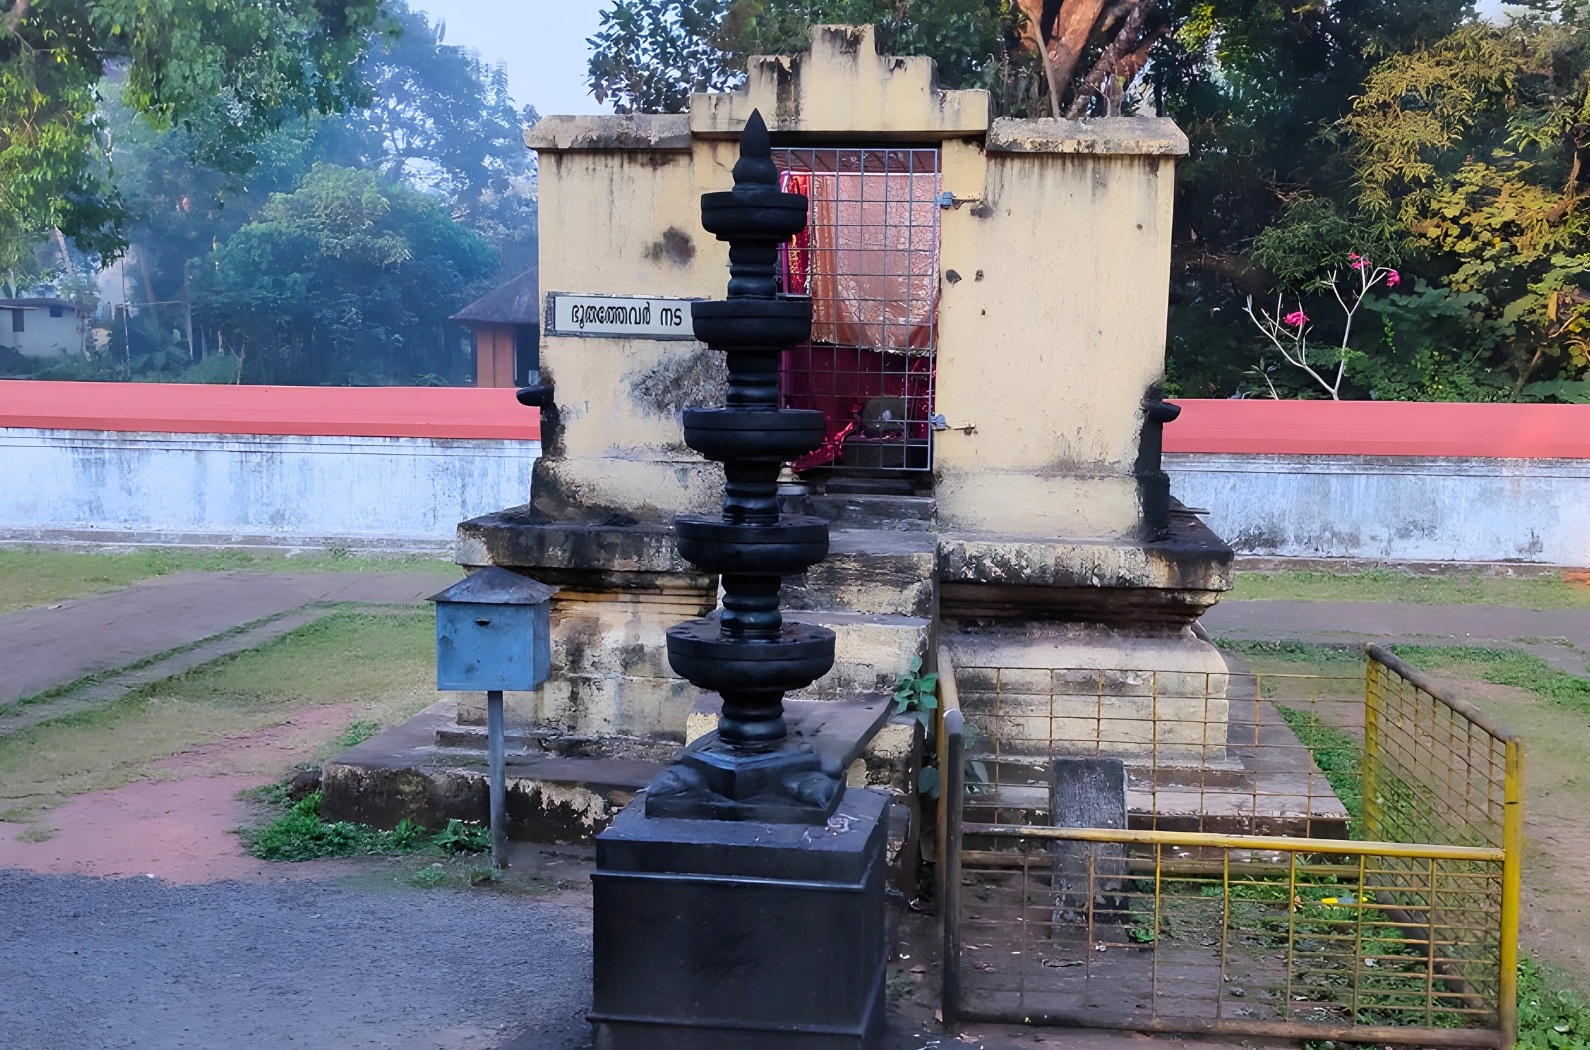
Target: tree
x=1473, y=149
x=1259, y=86
x=650, y=55
x=349, y=280
x=230, y=69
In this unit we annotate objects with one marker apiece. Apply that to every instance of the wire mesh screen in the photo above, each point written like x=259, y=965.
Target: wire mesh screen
x=1182, y=937
x=1436, y=774
x=869, y=261
x=1218, y=752
x=1285, y=855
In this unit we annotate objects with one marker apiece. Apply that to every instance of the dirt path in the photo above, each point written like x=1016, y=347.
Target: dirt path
x=49, y=646
x=179, y=825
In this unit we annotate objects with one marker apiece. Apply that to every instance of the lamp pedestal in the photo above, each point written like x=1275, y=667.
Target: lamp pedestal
x=720, y=934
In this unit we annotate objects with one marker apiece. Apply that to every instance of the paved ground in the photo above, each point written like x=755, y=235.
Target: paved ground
x=49, y=646
x=1560, y=636
x=138, y=963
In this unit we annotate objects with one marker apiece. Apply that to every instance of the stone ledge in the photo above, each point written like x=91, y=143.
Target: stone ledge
x=653, y=131
x=1102, y=136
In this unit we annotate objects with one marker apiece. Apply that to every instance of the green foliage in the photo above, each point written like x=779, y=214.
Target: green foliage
x=459, y=837
x=1471, y=149
x=648, y=56
x=349, y=279
x=1434, y=345
x=300, y=834
x=1549, y=1020
x=917, y=694
x=234, y=68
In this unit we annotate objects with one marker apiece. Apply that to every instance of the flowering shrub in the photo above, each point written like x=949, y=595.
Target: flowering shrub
x=1288, y=333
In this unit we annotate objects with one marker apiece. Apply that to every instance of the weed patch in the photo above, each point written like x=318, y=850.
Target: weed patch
x=300, y=834
x=1549, y=1020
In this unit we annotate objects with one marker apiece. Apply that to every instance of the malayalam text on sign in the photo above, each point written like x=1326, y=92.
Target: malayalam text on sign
x=627, y=316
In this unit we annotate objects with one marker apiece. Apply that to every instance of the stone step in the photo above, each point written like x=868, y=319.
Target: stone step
x=870, y=571
x=402, y=774
x=550, y=743
x=871, y=652
x=874, y=512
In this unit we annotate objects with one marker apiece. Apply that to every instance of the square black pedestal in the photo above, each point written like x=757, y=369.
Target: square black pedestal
x=726, y=934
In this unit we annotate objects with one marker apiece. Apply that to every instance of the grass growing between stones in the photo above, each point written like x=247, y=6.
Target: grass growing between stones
x=342, y=674
x=32, y=576
x=1391, y=585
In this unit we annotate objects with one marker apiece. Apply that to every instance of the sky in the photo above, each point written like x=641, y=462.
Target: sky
x=541, y=42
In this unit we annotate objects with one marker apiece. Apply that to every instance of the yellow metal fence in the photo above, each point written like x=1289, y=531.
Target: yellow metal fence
x=1304, y=857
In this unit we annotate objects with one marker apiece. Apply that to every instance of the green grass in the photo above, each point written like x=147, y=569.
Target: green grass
x=1390, y=585
x=356, y=734
x=1512, y=667
x=1500, y=666
x=1341, y=659
x=32, y=576
x=300, y=834
x=381, y=665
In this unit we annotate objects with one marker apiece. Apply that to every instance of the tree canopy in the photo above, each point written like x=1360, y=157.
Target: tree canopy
x=229, y=71
x=349, y=279
x=328, y=249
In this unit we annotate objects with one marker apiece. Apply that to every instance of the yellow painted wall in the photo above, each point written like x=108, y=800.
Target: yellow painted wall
x=1050, y=331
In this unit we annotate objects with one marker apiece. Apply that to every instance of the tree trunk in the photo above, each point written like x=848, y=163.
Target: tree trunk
x=1125, y=42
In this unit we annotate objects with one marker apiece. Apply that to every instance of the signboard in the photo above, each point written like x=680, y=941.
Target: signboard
x=618, y=316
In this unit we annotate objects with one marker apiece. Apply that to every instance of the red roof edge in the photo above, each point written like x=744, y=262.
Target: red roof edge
x=481, y=413
x=1381, y=428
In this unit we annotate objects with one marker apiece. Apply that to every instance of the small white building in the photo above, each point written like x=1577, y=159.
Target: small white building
x=41, y=327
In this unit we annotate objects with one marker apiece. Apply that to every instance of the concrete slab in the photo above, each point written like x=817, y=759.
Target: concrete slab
x=56, y=644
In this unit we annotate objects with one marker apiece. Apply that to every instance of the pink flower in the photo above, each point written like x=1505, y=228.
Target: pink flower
x=1297, y=318
x=1357, y=260
x=1393, y=278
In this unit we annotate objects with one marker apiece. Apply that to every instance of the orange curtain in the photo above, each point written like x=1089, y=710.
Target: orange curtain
x=871, y=264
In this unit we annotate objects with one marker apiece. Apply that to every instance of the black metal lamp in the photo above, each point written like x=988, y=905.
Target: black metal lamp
x=748, y=769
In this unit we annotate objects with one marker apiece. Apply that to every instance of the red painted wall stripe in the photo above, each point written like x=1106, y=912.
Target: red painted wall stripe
x=311, y=411
x=1381, y=428
x=1319, y=428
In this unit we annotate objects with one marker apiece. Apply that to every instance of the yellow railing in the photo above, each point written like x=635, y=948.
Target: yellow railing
x=1404, y=935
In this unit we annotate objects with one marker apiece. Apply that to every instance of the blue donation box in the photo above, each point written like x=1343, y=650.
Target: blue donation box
x=493, y=632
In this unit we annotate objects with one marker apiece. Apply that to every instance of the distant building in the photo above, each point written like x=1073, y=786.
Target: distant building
x=41, y=327
x=507, y=332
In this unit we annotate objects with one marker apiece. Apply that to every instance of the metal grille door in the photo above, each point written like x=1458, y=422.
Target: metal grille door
x=869, y=261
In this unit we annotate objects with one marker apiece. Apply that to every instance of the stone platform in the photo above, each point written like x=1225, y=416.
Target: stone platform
x=1263, y=783
x=562, y=787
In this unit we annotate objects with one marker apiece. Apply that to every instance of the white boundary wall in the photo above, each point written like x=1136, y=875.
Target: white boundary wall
x=1403, y=509
x=237, y=490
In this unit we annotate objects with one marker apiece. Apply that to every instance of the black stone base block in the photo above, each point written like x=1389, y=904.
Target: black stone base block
x=717, y=935
x=714, y=780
